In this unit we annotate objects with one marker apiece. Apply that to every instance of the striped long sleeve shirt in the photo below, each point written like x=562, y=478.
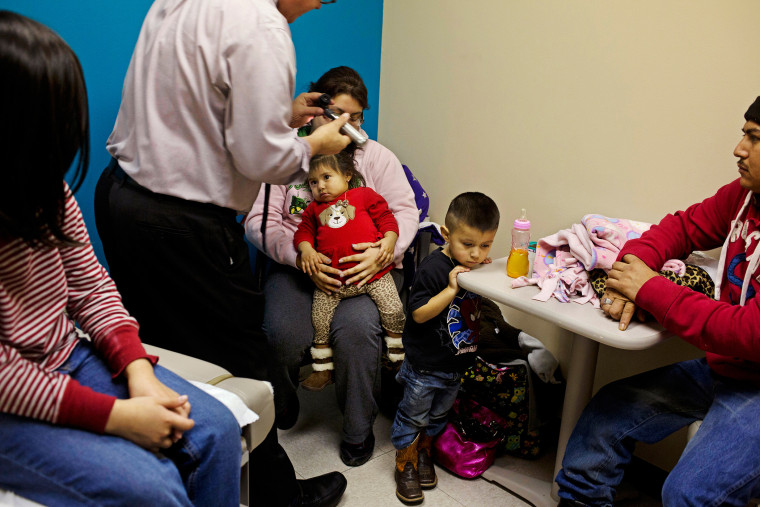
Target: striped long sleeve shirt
x=43, y=292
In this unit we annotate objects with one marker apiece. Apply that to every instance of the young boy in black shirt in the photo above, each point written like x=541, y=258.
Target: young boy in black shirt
x=440, y=339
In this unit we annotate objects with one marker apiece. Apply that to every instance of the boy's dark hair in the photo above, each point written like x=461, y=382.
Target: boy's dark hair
x=343, y=163
x=472, y=209
x=44, y=124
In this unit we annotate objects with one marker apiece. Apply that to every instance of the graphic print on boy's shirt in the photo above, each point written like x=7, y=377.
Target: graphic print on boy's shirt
x=463, y=323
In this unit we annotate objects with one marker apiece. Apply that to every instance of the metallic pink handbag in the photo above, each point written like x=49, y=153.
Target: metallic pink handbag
x=467, y=446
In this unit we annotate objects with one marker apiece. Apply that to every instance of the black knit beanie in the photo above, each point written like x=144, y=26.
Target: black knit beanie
x=753, y=113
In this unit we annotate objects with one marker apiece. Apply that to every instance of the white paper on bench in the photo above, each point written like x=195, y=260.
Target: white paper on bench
x=232, y=401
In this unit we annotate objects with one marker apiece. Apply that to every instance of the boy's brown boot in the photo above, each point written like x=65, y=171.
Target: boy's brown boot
x=408, y=488
x=425, y=468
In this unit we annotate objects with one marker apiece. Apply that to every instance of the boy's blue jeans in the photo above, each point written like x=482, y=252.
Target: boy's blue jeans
x=720, y=465
x=57, y=465
x=428, y=397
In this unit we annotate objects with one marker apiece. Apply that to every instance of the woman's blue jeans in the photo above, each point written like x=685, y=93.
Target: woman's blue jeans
x=720, y=465
x=57, y=465
x=428, y=397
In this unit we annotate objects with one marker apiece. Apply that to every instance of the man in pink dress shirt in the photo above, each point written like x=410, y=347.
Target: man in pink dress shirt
x=206, y=116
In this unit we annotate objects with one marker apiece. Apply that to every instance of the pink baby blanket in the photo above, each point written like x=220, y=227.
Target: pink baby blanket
x=564, y=259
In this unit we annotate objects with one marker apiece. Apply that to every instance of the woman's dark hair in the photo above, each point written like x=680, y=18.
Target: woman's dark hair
x=343, y=80
x=44, y=124
x=343, y=163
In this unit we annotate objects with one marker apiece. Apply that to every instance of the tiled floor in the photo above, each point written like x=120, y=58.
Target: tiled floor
x=312, y=445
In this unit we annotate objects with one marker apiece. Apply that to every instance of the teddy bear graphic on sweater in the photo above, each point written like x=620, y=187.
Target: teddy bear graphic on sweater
x=337, y=215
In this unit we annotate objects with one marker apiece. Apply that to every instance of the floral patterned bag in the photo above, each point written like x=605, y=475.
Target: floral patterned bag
x=507, y=390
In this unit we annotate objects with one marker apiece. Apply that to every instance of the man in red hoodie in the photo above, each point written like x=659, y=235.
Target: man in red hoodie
x=721, y=464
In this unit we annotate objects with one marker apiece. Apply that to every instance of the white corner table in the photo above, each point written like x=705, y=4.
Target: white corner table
x=588, y=327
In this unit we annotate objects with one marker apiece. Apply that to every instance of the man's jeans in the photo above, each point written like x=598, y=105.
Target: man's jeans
x=57, y=465
x=720, y=465
x=428, y=397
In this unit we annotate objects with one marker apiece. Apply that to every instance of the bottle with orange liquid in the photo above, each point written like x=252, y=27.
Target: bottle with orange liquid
x=517, y=262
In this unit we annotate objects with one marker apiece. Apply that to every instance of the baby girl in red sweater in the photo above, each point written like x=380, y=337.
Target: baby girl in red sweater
x=343, y=214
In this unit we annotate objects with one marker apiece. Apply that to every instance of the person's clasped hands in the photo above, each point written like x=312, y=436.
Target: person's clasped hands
x=624, y=280
x=369, y=263
x=154, y=417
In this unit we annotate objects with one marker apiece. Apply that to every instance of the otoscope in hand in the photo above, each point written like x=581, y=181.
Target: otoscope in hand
x=348, y=129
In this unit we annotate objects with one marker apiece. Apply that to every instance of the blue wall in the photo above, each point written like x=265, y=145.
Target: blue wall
x=103, y=35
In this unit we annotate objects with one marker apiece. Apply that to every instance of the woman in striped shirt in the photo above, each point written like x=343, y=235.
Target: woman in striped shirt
x=85, y=415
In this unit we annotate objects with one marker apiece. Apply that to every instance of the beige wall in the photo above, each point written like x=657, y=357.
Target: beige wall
x=628, y=109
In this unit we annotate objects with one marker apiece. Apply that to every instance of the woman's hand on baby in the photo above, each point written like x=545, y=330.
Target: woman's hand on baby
x=367, y=267
x=148, y=421
x=324, y=281
x=321, y=276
